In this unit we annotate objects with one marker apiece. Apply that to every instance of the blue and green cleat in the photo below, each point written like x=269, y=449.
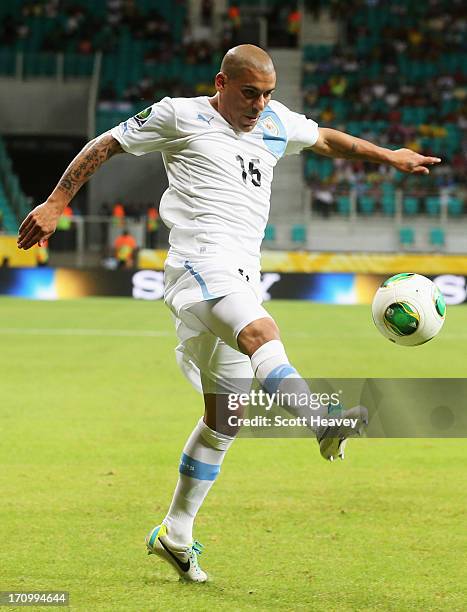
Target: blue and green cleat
x=184, y=559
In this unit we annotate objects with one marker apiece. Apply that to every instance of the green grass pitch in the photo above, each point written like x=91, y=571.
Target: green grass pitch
x=93, y=417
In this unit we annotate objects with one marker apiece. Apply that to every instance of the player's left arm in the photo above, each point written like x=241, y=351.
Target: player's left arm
x=333, y=143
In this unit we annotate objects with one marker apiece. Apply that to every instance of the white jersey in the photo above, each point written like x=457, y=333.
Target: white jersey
x=218, y=198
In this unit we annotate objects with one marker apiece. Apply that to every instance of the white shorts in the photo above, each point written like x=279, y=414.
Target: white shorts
x=211, y=304
x=189, y=281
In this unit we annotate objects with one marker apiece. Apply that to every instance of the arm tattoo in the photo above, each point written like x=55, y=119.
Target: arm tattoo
x=346, y=151
x=353, y=152
x=93, y=155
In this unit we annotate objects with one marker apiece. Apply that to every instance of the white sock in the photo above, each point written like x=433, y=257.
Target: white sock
x=272, y=368
x=199, y=466
x=271, y=361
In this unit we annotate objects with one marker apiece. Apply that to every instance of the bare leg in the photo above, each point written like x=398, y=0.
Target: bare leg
x=217, y=413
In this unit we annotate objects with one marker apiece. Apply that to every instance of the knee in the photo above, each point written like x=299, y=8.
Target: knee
x=256, y=334
x=217, y=415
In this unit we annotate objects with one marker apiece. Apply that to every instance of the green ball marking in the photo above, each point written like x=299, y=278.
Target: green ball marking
x=440, y=303
x=396, y=278
x=401, y=318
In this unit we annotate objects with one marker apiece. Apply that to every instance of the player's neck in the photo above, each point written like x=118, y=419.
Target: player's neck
x=214, y=102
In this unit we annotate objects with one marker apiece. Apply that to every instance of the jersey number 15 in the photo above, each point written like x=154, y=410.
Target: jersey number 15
x=254, y=173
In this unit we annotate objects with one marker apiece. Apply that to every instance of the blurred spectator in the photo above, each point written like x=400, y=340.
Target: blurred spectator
x=294, y=19
x=85, y=46
x=65, y=220
x=206, y=12
x=118, y=215
x=152, y=226
x=233, y=14
x=124, y=249
x=42, y=254
x=108, y=92
x=8, y=31
x=64, y=237
x=323, y=199
x=338, y=85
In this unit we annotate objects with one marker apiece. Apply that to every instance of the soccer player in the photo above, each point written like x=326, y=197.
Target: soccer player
x=219, y=154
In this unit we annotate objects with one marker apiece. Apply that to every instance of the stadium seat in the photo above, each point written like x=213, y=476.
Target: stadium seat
x=387, y=187
x=270, y=233
x=406, y=237
x=317, y=52
x=367, y=205
x=9, y=221
x=433, y=206
x=298, y=233
x=455, y=207
x=388, y=203
x=311, y=165
x=326, y=169
x=343, y=205
x=409, y=115
x=437, y=237
x=410, y=205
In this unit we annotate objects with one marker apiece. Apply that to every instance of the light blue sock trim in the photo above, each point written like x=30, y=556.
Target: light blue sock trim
x=154, y=535
x=199, y=279
x=197, y=469
x=274, y=379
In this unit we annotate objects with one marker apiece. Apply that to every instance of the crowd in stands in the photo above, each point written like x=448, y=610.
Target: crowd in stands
x=398, y=77
x=283, y=22
x=150, y=88
x=135, y=211
x=120, y=215
x=78, y=26
x=151, y=34
x=400, y=81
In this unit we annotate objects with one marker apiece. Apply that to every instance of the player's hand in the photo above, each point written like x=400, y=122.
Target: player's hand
x=38, y=226
x=406, y=160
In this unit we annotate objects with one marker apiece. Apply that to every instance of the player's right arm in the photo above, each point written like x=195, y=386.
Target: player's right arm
x=41, y=222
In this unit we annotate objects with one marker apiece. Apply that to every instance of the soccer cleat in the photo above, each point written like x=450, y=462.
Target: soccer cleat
x=183, y=558
x=332, y=439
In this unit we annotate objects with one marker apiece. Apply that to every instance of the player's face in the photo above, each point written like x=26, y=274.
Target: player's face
x=241, y=100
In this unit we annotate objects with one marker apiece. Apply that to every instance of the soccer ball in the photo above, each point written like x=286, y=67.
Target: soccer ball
x=408, y=309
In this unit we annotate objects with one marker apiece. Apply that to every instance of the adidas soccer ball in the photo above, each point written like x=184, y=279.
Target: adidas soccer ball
x=408, y=309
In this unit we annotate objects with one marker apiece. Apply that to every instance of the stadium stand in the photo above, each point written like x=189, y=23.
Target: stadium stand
x=13, y=202
x=398, y=79
x=147, y=51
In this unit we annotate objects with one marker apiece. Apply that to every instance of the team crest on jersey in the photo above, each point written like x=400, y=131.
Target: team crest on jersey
x=143, y=116
x=271, y=126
